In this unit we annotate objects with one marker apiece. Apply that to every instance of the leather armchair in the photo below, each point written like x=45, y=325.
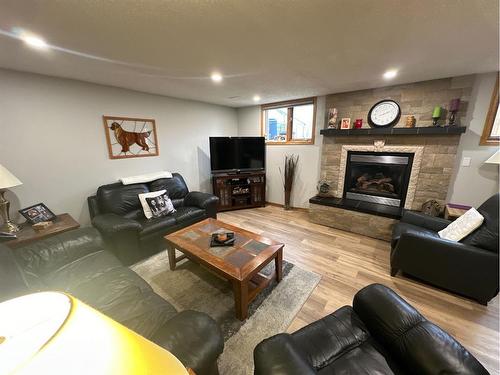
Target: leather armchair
x=468, y=267
x=117, y=213
x=380, y=334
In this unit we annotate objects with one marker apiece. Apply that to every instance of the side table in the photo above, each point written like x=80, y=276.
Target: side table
x=27, y=234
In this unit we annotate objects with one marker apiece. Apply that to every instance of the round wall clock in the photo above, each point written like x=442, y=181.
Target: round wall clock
x=384, y=113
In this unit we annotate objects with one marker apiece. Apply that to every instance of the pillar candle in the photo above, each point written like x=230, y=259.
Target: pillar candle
x=454, y=105
x=437, y=112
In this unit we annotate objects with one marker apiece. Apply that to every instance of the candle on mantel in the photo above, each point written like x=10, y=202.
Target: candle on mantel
x=455, y=105
x=437, y=112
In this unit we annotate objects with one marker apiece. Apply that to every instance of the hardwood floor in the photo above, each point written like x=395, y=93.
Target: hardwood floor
x=347, y=262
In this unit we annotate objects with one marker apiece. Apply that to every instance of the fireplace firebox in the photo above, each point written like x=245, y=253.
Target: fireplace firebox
x=378, y=177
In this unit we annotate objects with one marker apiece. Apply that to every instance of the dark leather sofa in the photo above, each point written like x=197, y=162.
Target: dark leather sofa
x=468, y=267
x=380, y=334
x=76, y=262
x=117, y=213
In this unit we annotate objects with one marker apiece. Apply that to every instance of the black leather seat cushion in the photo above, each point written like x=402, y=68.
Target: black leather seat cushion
x=155, y=225
x=186, y=214
x=401, y=227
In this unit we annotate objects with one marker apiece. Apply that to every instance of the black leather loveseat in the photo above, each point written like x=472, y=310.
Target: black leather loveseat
x=468, y=267
x=117, y=213
x=76, y=262
x=380, y=334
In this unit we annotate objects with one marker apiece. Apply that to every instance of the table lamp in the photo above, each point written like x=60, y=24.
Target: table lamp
x=7, y=180
x=51, y=333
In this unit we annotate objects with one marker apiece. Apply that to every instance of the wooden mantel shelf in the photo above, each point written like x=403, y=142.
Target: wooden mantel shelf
x=431, y=130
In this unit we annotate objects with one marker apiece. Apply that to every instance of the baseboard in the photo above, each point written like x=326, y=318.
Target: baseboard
x=293, y=208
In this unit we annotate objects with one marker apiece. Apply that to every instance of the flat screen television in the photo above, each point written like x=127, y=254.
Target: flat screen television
x=237, y=153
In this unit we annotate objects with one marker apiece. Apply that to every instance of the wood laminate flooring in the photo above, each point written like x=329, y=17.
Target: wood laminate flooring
x=347, y=262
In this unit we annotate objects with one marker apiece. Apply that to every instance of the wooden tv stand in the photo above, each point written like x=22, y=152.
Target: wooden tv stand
x=240, y=190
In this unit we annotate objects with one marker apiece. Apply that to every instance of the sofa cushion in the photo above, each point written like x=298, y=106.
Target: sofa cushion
x=156, y=225
x=176, y=186
x=463, y=226
x=120, y=199
x=401, y=228
x=187, y=214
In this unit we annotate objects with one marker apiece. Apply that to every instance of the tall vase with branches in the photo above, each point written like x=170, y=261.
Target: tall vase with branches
x=288, y=176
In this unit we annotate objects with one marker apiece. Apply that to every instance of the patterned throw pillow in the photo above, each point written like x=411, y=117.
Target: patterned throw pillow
x=463, y=226
x=156, y=204
x=160, y=206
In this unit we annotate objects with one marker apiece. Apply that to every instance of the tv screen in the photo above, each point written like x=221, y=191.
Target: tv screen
x=237, y=153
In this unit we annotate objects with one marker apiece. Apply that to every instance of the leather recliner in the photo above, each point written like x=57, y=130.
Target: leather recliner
x=380, y=334
x=117, y=213
x=76, y=262
x=468, y=267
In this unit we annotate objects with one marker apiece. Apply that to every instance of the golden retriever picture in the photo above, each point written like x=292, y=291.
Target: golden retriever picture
x=130, y=137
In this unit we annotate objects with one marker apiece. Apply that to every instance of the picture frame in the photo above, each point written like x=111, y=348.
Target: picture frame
x=345, y=123
x=130, y=137
x=491, y=130
x=37, y=213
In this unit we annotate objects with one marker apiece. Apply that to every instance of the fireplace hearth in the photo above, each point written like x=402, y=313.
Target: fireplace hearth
x=378, y=177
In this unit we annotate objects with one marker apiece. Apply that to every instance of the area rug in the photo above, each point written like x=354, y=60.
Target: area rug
x=193, y=287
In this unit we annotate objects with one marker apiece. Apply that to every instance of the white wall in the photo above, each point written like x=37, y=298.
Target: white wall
x=473, y=185
x=52, y=138
x=309, y=157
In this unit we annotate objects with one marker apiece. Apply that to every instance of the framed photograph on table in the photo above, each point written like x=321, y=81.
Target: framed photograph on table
x=345, y=123
x=37, y=213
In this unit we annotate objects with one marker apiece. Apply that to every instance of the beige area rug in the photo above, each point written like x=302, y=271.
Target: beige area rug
x=192, y=287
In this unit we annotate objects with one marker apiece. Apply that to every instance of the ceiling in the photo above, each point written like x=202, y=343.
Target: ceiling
x=278, y=49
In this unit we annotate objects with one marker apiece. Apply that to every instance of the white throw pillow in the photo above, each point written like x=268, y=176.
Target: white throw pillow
x=463, y=226
x=156, y=204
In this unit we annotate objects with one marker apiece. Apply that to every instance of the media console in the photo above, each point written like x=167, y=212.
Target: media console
x=240, y=190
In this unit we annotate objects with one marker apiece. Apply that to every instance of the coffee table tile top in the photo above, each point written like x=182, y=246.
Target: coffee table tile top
x=247, y=253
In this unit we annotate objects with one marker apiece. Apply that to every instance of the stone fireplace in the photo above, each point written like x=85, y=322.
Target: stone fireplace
x=373, y=178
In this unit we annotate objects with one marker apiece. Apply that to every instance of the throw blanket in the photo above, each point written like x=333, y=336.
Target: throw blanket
x=148, y=177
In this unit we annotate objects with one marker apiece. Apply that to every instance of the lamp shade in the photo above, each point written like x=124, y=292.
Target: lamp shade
x=7, y=179
x=53, y=333
x=494, y=159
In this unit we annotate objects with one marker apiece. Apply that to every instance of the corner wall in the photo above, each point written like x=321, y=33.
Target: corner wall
x=52, y=138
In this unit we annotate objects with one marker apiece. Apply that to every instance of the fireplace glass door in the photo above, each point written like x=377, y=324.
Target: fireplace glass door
x=378, y=177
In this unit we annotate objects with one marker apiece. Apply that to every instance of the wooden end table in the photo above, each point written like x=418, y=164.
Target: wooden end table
x=27, y=234
x=240, y=264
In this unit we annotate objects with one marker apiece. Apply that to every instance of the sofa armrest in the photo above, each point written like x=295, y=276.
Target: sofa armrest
x=426, y=221
x=49, y=254
x=469, y=270
x=205, y=201
x=278, y=355
x=194, y=338
x=121, y=236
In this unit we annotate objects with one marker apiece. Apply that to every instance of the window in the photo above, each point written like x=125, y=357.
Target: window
x=491, y=131
x=290, y=122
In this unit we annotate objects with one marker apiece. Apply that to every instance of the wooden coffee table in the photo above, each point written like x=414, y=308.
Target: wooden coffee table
x=240, y=264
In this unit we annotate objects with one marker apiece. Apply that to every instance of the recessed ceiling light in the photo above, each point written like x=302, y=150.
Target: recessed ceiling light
x=256, y=98
x=390, y=74
x=34, y=41
x=216, y=77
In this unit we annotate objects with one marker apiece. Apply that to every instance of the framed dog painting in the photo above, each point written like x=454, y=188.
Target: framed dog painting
x=129, y=137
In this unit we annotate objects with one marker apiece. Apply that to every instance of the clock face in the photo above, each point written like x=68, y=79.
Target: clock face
x=384, y=113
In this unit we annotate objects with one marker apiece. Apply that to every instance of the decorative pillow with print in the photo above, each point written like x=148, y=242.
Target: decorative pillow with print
x=160, y=205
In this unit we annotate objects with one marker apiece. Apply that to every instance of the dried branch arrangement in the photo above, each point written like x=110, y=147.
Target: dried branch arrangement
x=288, y=176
